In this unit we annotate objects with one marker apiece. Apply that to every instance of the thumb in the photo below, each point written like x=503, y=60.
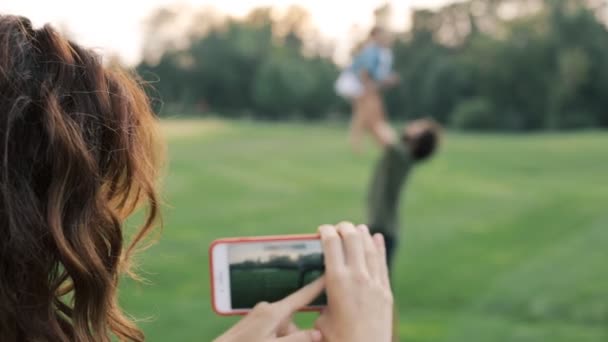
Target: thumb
x=302, y=336
x=301, y=298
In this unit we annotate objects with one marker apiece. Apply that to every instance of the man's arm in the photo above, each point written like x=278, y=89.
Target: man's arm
x=385, y=134
x=369, y=83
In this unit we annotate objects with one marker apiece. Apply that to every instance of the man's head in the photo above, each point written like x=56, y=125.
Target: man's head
x=423, y=137
x=381, y=36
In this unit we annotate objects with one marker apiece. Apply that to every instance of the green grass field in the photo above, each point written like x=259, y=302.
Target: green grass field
x=506, y=235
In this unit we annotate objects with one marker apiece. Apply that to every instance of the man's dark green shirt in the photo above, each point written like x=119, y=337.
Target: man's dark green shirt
x=387, y=183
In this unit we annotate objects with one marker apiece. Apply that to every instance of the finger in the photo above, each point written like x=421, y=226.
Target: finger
x=332, y=249
x=321, y=323
x=353, y=246
x=302, y=336
x=264, y=317
x=300, y=299
x=383, y=267
x=260, y=309
x=287, y=328
x=371, y=252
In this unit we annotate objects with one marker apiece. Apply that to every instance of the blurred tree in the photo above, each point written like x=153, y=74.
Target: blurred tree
x=383, y=15
x=480, y=64
x=160, y=33
x=474, y=114
x=257, y=66
x=293, y=27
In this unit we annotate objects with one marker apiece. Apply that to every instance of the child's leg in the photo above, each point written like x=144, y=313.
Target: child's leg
x=358, y=123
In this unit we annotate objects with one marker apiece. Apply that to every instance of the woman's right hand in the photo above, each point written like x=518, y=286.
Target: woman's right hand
x=272, y=322
x=360, y=301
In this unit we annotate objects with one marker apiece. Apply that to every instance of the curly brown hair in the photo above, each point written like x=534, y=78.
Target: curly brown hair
x=78, y=154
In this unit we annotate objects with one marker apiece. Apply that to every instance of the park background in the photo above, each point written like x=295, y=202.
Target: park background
x=505, y=231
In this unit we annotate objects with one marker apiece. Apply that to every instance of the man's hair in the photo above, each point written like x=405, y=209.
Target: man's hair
x=425, y=143
x=78, y=154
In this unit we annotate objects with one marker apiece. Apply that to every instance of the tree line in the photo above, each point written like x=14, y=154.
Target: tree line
x=306, y=261
x=480, y=64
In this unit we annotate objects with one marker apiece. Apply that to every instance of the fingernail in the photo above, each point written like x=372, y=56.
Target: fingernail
x=379, y=239
x=316, y=335
x=364, y=228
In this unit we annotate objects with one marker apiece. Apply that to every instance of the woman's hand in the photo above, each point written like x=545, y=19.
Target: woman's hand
x=360, y=301
x=272, y=322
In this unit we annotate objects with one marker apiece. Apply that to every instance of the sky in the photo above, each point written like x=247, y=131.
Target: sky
x=115, y=26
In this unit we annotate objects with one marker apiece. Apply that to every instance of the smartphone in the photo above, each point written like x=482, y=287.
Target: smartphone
x=246, y=271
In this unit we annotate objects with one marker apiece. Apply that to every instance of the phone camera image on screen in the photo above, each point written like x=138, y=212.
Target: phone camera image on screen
x=270, y=271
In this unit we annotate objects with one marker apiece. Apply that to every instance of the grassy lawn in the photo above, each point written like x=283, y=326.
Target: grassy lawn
x=505, y=236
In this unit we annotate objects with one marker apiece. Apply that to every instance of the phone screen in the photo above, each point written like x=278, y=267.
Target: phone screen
x=270, y=271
